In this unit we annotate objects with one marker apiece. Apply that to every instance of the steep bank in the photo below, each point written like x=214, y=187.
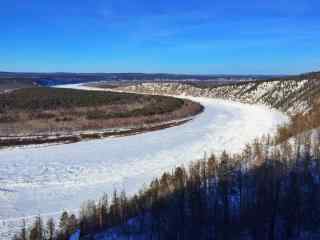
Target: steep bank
x=288, y=95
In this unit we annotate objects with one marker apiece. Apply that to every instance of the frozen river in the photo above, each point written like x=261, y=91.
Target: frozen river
x=47, y=179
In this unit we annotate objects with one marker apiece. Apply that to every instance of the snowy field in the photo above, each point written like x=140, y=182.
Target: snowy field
x=48, y=179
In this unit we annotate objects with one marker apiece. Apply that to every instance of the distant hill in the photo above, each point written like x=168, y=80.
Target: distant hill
x=47, y=79
x=311, y=75
x=9, y=83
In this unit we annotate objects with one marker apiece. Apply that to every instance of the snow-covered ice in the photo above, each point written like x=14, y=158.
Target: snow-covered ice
x=45, y=180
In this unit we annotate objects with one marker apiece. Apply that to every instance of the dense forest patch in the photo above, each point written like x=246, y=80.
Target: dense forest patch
x=37, y=99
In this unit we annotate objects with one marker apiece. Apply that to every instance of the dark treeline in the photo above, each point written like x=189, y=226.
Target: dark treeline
x=266, y=192
x=43, y=98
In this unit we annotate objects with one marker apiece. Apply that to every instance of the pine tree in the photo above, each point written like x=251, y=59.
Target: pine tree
x=63, y=225
x=50, y=229
x=23, y=233
x=224, y=176
x=37, y=231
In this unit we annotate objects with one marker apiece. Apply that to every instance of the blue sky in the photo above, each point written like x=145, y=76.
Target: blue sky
x=208, y=37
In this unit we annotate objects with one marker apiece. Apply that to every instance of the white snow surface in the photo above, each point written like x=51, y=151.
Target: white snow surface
x=48, y=179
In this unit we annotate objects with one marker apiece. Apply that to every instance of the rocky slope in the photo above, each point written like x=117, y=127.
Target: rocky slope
x=289, y=95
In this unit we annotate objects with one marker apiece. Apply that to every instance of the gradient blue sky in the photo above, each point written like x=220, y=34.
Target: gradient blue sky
x=192, y=36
